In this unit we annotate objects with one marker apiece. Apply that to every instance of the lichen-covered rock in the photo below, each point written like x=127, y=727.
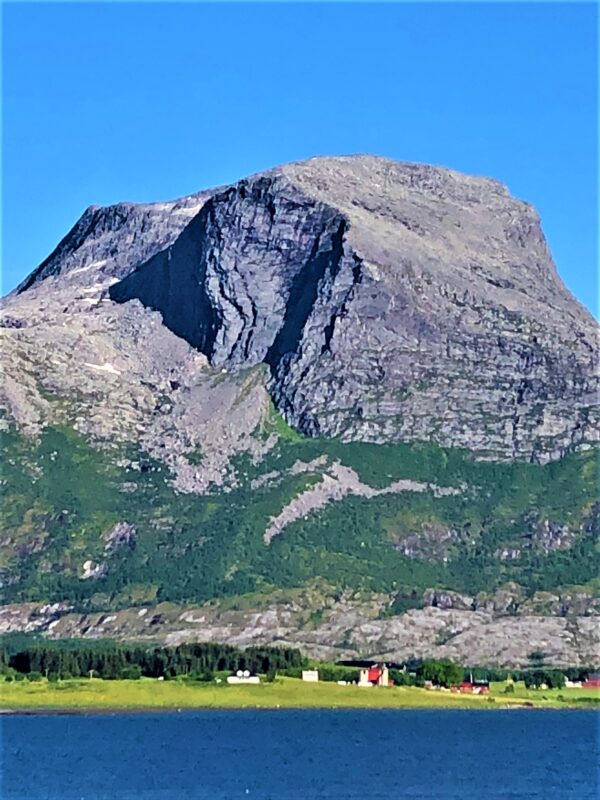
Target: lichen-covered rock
x=120, y=535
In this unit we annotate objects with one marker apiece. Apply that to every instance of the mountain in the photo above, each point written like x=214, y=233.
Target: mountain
x=347, y=403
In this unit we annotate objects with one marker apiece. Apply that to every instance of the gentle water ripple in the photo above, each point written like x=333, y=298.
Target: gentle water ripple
x=303, y=755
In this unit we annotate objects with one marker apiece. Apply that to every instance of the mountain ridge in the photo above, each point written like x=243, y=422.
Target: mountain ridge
x=348, y=368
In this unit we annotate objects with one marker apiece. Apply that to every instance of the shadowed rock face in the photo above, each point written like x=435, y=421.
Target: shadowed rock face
x=242, y=279
x=390, y=301
x=109, y=242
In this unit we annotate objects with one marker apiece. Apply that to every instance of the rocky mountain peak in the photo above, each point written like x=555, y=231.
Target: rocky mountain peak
x=389, y=301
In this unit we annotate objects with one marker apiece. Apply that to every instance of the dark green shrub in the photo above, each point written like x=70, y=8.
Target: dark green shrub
x=551, y=678
x=441, y=673
x=201, y=676
x=292, y=672
x=333, y=672
x=131, y=673
x=8, y=671
x=399, y=677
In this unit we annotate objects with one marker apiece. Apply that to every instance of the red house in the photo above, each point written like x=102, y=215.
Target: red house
x=474, y=687
x=592, y=682
x=375, y=676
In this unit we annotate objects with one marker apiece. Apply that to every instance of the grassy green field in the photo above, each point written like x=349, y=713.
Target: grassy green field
x=97, y=694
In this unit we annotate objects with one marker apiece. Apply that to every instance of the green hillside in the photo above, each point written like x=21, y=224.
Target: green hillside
x=61, y=496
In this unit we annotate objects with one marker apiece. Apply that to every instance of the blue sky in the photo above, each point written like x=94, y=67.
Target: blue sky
x=117, y=101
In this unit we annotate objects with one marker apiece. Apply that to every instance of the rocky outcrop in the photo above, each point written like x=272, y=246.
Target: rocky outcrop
x=339, y=482
x=439, y=598
x=390, y=301
x=120, y=535
x=348, y=629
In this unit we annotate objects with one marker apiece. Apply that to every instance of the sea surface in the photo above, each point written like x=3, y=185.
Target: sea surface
x=303, y=755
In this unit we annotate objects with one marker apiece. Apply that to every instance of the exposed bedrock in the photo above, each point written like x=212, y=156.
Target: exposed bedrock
x=391, y=302
x=242, y=280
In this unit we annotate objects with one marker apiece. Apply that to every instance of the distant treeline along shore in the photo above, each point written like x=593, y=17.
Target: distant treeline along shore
x=22, y=657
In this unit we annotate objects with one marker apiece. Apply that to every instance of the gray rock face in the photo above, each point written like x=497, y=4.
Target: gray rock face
x=348, y=629
x=109, y=242
x=390, y=302
x=242, y=280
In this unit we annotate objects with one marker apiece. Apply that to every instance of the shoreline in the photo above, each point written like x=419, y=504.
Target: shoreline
x=100, y=710
x=124, y=710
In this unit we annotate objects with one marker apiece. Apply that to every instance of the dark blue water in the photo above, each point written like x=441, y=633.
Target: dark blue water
x=303, y=755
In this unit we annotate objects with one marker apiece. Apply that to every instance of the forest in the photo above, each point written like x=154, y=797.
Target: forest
x=110, y=660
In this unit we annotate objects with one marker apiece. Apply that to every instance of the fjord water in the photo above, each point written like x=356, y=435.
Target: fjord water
x=303, y=755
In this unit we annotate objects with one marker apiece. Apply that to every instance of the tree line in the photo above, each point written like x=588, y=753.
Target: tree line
x=22, y=655
x=130, y=661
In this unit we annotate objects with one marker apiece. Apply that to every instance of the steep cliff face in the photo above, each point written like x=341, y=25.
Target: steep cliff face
x=391, y=302
x=242, y=280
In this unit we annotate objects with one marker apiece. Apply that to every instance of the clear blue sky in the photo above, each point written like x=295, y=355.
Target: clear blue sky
x=109, y=102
